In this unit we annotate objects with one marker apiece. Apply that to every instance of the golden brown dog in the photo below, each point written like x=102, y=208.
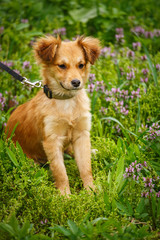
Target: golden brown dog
x=48, y=126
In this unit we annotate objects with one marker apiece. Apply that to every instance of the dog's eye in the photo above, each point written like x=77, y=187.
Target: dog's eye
x=62, y=66
x=81, y=66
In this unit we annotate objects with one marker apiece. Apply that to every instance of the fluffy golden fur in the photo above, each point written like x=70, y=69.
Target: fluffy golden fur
x=48, y=127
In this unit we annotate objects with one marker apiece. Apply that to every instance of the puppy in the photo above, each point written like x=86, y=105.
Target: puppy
x=59, y=118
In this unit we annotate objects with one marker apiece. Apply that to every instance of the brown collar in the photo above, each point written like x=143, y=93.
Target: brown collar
x=51, y=95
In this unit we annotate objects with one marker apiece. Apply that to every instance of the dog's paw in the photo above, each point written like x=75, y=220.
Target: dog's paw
x=65, y=192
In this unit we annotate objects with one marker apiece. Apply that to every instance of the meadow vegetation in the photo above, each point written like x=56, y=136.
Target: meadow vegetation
x=124, y=90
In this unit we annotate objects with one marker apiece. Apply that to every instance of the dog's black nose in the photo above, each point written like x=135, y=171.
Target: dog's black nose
x=75, y=83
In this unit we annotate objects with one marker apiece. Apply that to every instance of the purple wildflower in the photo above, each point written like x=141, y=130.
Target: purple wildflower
x=119, y=99
x=134, y=171
x=130, y=54
x=17, y=71
x=131, y=75
x=158, y=67
x=144, y=57
x=145, y=164
x=112, y=54
x=136, y=45
x=148, y=184
x=2, y=102
x=105, y=51
x=32, y=42
x=119, y=30
x=100, y=86
x=44, y=222
x=153, y=132
x=24, y=20
x=144, y=80
x=146, y=194
x=156, y=32
x=91, y=87
x=124, y=111
x=117, y=128
x=121, y=71
x=8, y=64
x=103, y=110
x=1, y=29
x=92, y=77
x=139, y=30
x=148, y=34
x=61, y=31
x=145, y=71
x=158, y=194
x=26, y=65
x=119, y=38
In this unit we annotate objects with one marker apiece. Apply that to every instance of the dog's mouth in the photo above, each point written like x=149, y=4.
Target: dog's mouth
x=70, y=89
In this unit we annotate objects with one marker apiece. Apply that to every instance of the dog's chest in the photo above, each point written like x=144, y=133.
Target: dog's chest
x=67, y=112
x=64, y=117
x=67, y=107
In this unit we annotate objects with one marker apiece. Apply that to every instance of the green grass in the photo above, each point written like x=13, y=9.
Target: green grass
x=125, y=126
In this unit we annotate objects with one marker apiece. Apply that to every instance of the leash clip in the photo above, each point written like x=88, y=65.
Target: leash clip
x=37, y=84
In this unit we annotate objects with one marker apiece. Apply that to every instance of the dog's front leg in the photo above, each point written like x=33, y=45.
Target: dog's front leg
x=82, y=152
x=53, y=148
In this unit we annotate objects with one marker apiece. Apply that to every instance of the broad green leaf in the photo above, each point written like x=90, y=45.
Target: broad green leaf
x=137, y=151
x=151, y=65
x=124, y=209
x=25, y=230
x=106, y=200
x=129, y=207
x=83, y=14
x=7, y=228
x=95, y=221
x=34, y=34
x=119, y=172
x=14, y=223
x=140, y=207
x=122, y=186
x=158, y=208
x=113, y=119
x=21, y=26
x=1, y=144
x=21, y=153
x=153, y=202
x=12, y=157
x=73, y=227
x=143, y=232
x=14, y=129
x=109, y=179
x=143, y=215
x=62, y=230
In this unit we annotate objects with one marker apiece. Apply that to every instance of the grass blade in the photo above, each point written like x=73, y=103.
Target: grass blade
x=12, y=157
x=93, y=101
x=151, y=65
x=138, y=116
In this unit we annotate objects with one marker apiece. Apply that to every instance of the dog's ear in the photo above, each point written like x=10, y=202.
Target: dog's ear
x=91, y=47
x=45, y=49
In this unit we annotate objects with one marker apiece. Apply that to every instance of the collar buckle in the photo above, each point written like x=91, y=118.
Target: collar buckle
x=47, y=91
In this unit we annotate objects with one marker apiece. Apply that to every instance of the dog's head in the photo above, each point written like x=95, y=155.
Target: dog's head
x=66, y=64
